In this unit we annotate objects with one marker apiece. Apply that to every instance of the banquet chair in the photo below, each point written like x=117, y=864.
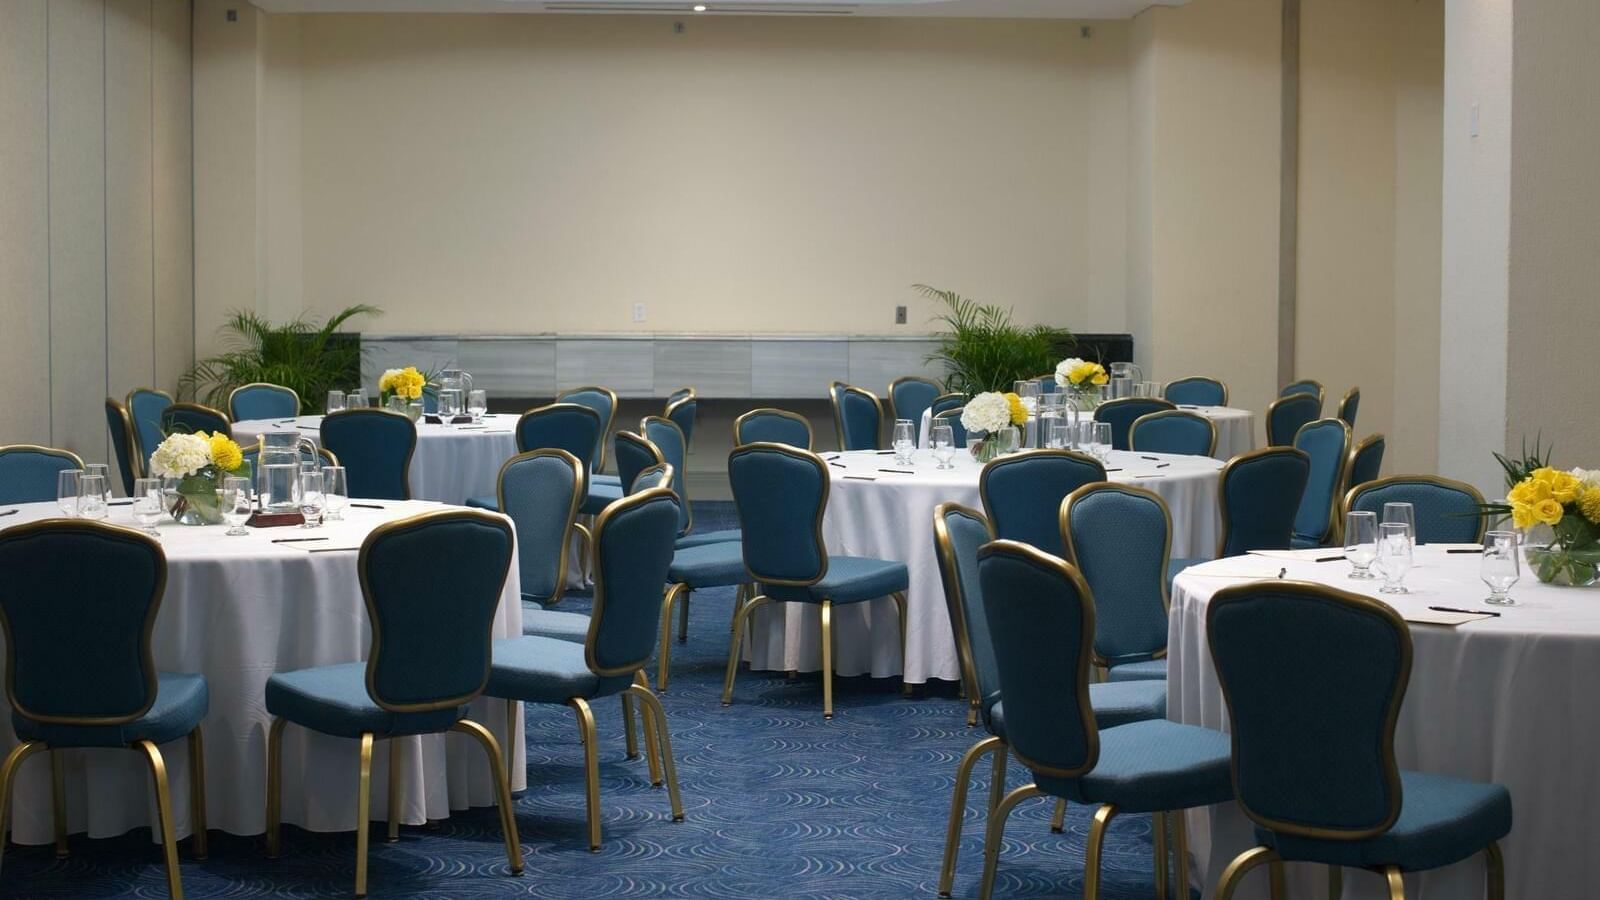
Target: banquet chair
x=1305, y=386
x=560, y=426
x=120, y=427
x=1287, y=415
x=145, y=406
x=1120, y=538
x=1366, y=460
x=260, y=400
x=633, y=454
x=951, y=417
x=1022, y=494
x=1048, y=383
x=192, y=418
x=376, y=448
x=1197, y=390
x=772, y=426
x=1041, y=618
x=682, y=408
x=675, y=451
x=1122, y=413
x=321, y=457
x=432, y=627
x=603, y=401
x=945, y=402
x=1317, y=522
x=71, y=686
x=28, y=472
x=1349, y=405
x=857, y=415
x=633, y=545
x=910, y=396
x=781, y=493
x=650, y=477
x=1447, y=511
x=1258, y=494
x=1313, y=679
x=958, y=532
x=1173, y=431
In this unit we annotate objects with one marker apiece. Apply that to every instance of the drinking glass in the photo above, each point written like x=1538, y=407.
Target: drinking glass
x=336, y=401
x=104, y=471
x=1502, y=566
x=1361, y=543
x=1403, y=514
x=235, y=504
x=1100, y=440
x=1060, y=437
x=1028, y=392
x=449, y=404
x=335, y=491
x=1394, y=556
x=1141, y=389
x=312, y=500
x=92, y=505
x=477, y=403
x=356, y=399
x=147, y=505
x=414, y=411
x=944, y=445
x=69, y=487
x=905, y=440
x=1010, y=439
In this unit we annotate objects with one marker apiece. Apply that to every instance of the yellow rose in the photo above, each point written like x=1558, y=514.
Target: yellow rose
x=1019, y=413
x=1589, y=505
x=1563, y=486
x=1100, y=378
x=386, y=382
x=1548, y=511
x=1087, y=372
x=1522, y=515
x=225, y=453
x=1530, y=491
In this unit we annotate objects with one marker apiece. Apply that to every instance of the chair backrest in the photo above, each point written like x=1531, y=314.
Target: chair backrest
x=192, y=418
x=1327, y=443
x=1120, y=538
x=1447, y=511
x=772, y=426
x=1366, y=460
x=682, y=412
x=61, y=576
x=561, y=426
x=1048, y=384
x=120, y=427
x=375, y=448
x=1313, y=678
x=1041, y=623
x=145, y=406
x=261, y=400
x=951, y=417
x=780, y=493
x=541, y=491
x=1258, y=494
x=858, y=416
x=1124, y=412
x=656, y=476
x=28, y=472
x=1349, y=405
x=1287, y=415
x=664, y=433
x=1197, y=390
x=945, y=402
x=910, y=396
x=958, y=532
x=603, y=401
x=1305, y=386
x=633, y=539
x=633, y=454
x=432, y=623
x=1022, y=494
x=679, y=394
x=1174, y=431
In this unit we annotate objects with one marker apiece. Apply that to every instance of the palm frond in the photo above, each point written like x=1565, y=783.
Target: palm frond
x=296, y=354
x=983, y=349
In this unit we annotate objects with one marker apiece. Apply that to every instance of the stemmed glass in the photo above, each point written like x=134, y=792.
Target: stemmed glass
x=1394, y=556
x=1502, y=566
x=944, y=445
x=1402, y=513
x=336, y=402
x=312, y=499
x=905, y=440
x=1100, y=440
x=147, y=506
x=477, y=403
x=104, y=471
x=236, y=505
x=449, y=404
x=92, y=505
x=1361, y=543
x=335, y=492
x=69, y=488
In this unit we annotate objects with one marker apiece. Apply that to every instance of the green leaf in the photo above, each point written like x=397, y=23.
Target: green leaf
x=983, y=350
x=295, y=354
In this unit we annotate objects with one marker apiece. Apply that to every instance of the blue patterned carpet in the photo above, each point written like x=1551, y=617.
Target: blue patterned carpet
x=779, y=803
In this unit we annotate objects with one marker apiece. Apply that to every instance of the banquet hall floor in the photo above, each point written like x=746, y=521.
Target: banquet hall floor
x=779, y=803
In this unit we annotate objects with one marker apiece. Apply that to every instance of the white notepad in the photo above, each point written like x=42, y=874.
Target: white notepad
x=1311, y=555
x=1435, y=617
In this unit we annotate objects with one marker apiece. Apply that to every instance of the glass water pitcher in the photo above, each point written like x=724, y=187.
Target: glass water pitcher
x=1124, y=375
x=280, y=448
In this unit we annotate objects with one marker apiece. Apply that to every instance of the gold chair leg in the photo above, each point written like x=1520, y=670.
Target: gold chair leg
x=1275, y=879
x=8, y=773
x=995, y=832
x=502, y=785
x=740, y=595
x=997, y=777
x=664, y=653
x=1091, y=858
x=1397, y=885
x=1335, y=882
x=900, y=606
x=683, y=618
x=972, y=713
x=1058, y=822
x=1158, y=836
x=199, y=842
x=169, y=846
x=1180, y=831
x=737, y=644
x=1495, y=874
x=591, y=769
x=1240, y=867
x=827, y=659
x=511, y=734
x=394, y=789
x=658, y=716
x=58, y=798
x=652, y=752
x=274, y=784
x=585, y=549
x=958, y=809
x=630, y=735
x=363, y=813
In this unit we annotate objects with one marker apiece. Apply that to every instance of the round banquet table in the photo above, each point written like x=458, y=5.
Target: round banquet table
x=238, y=609
x=1507, y=700
x=451, y=462
x=1236, y=428
x=890, y=516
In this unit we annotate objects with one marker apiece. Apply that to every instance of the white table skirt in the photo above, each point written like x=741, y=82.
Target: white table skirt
x=1507, y=700
x=892, y=518
x=238, y=609
x=1236, y=428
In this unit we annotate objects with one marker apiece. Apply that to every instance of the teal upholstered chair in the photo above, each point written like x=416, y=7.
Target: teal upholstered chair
x=1287, y=415
x=1197, y=390
x=1366, y=460
x=781, y=493
x=910, y=397
x=1022, y=493
x=1313, y=679
x=668, y=438
x=1447, y=511
x=958, y=532
x=1048, y=384
x=682, y=408
x=1327, y=443
x=858, y=416
x=1041, y=619
x=946, y=402
x=192, y=418
x=951, y=417
x=651, y=477
x=633, y=546
x=1349, y=405
x=28, y=473
x=1124, y=412
x=263, y=401
x=559, y=426
x=772, y=426
x=633, y=454
x=431, y=632
x=603, y=401
x=120, y=427
x=696, y=567
x=1120, y=538
x=71, y=686
x=375, y=448
x=1173, y=431
x=145, y=406
x=1258, y=496
x=1305, y=386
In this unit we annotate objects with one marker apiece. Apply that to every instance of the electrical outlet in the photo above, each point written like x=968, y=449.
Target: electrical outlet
x=899, y=315
x=638, y=312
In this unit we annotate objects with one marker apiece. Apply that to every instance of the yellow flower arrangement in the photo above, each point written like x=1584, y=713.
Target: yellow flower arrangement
x=406, y=383
x=225, y=453
x=1080, y=373
x=1567, y=502
x=1019, y=412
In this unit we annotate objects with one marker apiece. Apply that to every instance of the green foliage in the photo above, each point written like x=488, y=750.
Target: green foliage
x=297, y=354
x=984, y=350
x=1517, y=471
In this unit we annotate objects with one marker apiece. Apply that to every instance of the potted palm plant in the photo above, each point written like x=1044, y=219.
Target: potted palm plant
x=297, y=354
x=984, y=350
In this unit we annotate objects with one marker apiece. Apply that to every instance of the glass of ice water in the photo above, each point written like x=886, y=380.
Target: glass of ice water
x=1502, y=566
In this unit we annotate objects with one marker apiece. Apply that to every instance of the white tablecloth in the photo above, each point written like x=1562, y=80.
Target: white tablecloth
x=1508, y=700
x=238, y=609
x=1236, y=428
x=892, y=518
x=451, y=463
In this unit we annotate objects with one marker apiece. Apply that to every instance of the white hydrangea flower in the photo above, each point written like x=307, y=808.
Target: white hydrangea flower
x=1589, y=477
x=180, y=456
x=987, y=412
x=1064, y=368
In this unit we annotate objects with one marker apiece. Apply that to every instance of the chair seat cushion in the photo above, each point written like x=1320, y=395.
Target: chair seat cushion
x=1145, y=670
x=334, y=700
x=550, y=623
x=1152, y=766
x=490, y=503
x=1113, y=704
x=850, y=579
x=181, y=702
x=709, y=565
x=600, y=497
x=546, y=670
x=598, y=478
x=702, y=538
x=1442, y=820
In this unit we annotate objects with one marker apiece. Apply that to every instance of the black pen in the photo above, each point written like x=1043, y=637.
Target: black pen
x=1163, y=465
x=838, y=465
x=120, y=503
x=861, y=477
x=1154, y=458
x=1470, y=612
x=10, y=512
x=1328, y=559
x=367, y=505
x=296, y=540
x=900, y=471
x=1465, y=550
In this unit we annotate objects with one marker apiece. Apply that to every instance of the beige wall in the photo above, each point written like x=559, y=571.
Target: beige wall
x=95, y=247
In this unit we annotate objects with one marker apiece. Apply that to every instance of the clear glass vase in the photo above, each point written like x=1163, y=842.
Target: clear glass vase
x=195, y=500
x=1565, y=566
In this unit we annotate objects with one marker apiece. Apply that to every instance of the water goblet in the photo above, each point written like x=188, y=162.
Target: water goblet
x=69, y=488
x=1100, y=440
x=477, y=403
x=235, y=504
x=104, y=471
x=92, y=504
x=905, y=440
x=944, y=445
x=1361, y=543
x=1394, y=556
x=1402, y=513
x=1502, y=566
x=312, y=499
x=337, y=402
x=147, y=505
x=335, y=492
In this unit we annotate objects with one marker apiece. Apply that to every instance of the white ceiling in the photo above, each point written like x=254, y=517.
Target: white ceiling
x=1000, y=9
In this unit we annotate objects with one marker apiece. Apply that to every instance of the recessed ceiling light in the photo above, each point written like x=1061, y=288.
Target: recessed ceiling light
x=699, y=7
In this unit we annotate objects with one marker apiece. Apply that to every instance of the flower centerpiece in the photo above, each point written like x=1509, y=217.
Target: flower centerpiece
x=398, y=388
x=198, y=462
x=1567, y=503
x=1081, y=380
x=989, y=416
